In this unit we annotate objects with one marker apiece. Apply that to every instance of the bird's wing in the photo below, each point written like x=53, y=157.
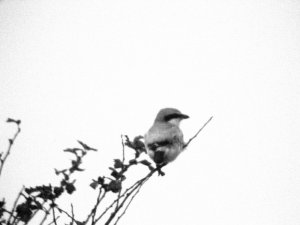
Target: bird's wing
x=155, y=145
x=162, y=135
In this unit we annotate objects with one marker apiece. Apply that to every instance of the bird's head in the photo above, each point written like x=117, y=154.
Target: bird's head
x=170, y=115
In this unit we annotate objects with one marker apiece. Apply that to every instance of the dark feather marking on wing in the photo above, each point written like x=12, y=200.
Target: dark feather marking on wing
x=155, y=145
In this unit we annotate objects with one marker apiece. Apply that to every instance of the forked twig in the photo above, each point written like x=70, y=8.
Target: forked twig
x=134, y=195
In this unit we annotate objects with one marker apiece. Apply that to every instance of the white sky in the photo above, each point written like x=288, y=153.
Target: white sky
x=93, y=70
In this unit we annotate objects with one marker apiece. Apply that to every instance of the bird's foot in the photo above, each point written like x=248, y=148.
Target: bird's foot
x=159, y=167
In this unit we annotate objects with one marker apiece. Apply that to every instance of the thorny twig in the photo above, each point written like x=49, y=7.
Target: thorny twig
x=11, y=142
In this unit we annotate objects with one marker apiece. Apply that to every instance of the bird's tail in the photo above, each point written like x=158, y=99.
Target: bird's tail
x=159, y=157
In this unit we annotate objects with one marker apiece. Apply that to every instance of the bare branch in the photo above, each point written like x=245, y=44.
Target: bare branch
x=133, y=188
x=73, y=216
x=47, y=212
x=94, y=210
x=197, y=132
x=123, y=160
x=10, y=213
x=53, y=213
x=123, y=150
x=11, y=142
x=15, y=204
x=65, y=212
x=54, y=220
x=127, y=191
x=125, y=210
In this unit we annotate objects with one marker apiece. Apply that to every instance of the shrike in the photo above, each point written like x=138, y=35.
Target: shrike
x=164, y=140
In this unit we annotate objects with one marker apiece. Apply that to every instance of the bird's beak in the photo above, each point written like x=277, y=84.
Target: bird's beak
x=183, y=116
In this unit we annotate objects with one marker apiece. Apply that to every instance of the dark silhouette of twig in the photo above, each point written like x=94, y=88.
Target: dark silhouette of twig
x=66, y=213
x=123, y=160
x=125, y=210
x=123, y=150
x=36, y=211
x=53, y=213
x=15, y=204
x=11, y=142
x=198, y=132
x=54, y=220
x=132, y=189
x=73, y=215
x=10, y=213
x=94, y=210
x=47, y=212
x=126, y=192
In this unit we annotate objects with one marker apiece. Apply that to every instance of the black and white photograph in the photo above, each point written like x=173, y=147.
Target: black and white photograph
x=133, y=112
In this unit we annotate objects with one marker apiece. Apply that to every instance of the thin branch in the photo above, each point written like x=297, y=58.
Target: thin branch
x=198, y=132
x=123, y=160
x=45, y=216
x=125, y=210
x=15, y=204
x=124, y=193
x=36, y=211
x=11, y=142
x=114, y=213
x=53, y=213
x=123, y=149
x=94, y=210
x=54, y=220
x=107, y=208
x=65, y=212
x=15, y=220
x=118, y=198
x=96, y=207
x=138, y=185
x=73, y=216
x=10, y=214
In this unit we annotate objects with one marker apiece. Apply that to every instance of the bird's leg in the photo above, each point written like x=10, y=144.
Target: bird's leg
x=159, y=166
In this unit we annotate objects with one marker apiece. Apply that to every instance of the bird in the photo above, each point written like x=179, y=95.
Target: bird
x=164, y=140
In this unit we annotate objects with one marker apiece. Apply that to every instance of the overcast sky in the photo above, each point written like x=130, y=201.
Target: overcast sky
x=93, y=70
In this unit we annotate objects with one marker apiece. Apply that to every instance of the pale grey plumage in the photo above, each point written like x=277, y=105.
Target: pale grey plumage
x=164, y=140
